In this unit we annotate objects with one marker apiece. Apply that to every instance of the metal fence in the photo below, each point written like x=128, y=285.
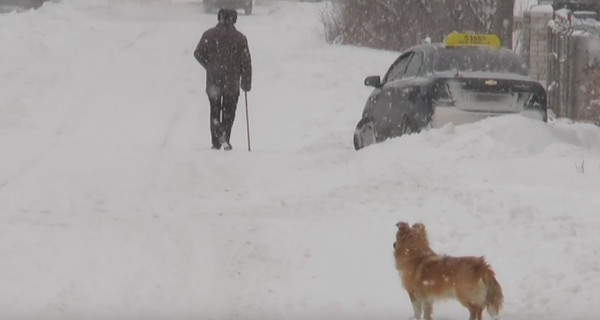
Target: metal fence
x=574, y=69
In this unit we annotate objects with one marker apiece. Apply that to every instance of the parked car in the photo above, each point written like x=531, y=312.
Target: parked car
x=464, y=79
x=578, y=5
x=19, y=5
x=213, y=5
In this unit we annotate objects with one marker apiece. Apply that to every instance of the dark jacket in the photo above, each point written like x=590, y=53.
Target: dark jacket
x=223, y=52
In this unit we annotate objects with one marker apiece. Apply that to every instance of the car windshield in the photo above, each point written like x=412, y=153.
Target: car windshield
x=479, y=59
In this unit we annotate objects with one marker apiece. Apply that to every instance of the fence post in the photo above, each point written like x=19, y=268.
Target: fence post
x=580, y=59
x=551, y=74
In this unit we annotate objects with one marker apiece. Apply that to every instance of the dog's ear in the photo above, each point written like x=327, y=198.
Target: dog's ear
x=403, y=227
x=419, y=227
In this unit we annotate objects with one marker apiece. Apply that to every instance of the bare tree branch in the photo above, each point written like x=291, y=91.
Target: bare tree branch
x=389, y=6
x=484, y=11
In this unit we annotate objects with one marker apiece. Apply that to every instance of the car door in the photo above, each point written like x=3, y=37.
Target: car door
x=417, y=110
x=392, y=105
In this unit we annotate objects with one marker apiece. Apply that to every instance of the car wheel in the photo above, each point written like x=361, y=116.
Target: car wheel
x=207, y=8
x=364, y=134
x=406, y=126
x=248, y=11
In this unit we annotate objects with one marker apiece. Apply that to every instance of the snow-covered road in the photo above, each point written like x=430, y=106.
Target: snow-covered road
x=113, y=206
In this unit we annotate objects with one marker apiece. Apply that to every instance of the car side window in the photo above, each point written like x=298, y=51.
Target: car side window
x=414, y=67
x=397, y=70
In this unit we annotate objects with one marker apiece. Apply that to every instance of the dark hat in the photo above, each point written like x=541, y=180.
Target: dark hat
x=227, y=16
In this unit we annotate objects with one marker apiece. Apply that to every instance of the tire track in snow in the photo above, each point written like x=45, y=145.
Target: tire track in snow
x=175, y=119
x=28, y=166
x=143, y=34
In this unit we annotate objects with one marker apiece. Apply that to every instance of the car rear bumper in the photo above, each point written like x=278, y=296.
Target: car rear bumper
x=445, y=115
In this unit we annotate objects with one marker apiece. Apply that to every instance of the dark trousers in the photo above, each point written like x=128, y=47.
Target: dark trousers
x=222, y=115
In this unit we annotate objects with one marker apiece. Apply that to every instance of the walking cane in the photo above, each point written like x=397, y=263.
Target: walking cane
x=247, y=121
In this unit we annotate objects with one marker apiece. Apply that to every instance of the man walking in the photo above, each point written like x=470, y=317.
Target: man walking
x=223, y=52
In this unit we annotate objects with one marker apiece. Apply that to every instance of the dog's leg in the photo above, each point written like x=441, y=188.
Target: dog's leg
x=428, y=310
x=417, y=305
x=476, y=312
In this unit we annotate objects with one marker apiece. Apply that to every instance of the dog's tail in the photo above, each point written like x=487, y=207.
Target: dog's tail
x=494, y=298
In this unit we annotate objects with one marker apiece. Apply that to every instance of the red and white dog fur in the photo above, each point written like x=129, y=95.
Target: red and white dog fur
x=427, y=276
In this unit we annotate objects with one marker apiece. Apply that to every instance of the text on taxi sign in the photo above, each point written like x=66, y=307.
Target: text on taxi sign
x=466, y=40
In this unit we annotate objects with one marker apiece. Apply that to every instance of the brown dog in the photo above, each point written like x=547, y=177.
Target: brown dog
x=427, y=276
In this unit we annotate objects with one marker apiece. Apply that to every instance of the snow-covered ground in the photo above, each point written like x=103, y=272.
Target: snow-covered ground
x=112, y=206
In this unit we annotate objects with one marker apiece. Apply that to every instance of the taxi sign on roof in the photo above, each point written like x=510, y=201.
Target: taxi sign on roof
x=455, y=40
